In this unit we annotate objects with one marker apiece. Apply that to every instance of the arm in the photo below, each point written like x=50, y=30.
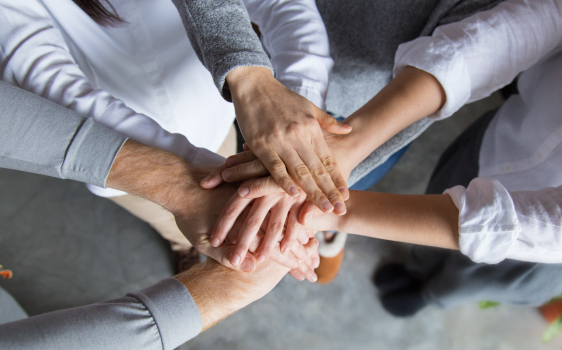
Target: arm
x=295, y=36
x=35, y=57
x=163, y=316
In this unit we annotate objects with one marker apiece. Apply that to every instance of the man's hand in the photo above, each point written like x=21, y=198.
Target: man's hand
x=219, y=291
x=285, y=132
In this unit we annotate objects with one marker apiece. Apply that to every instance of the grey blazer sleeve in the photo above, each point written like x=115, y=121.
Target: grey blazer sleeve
x=163, y=316
x=221, y=34
x=42, y=137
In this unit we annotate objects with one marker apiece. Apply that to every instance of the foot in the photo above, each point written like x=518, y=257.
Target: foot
x=331, y=250
x=185, y=259
x=393, y=277
x=404, y=303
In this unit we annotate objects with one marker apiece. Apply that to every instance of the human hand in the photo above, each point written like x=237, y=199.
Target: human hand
x=219, y=292
x=285, y=132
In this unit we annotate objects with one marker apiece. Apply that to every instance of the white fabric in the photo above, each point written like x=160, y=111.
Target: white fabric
x=147, y=67
x=522, y=147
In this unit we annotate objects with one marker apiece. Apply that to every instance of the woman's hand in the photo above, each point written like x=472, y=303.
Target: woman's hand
x=284, y=130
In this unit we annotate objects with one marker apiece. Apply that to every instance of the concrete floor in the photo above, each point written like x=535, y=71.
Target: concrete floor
x=102, y=252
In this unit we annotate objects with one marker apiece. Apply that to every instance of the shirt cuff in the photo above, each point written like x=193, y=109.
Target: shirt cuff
x=488, y=223
x=91, y=153
x=233, y=61
x=174, y=311
x=442, y=60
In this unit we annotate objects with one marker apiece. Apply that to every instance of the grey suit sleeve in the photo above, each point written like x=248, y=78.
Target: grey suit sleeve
x=42, y=137
x=221, y=34
x=163, y=316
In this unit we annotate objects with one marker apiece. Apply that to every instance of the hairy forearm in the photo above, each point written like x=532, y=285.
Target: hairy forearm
x=419, y=219
x=219, y=291
x=411, y=96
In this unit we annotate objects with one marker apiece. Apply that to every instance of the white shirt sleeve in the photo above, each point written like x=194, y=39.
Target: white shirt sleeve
x=495, y=224
x=484, y=52
x=35, y=57
x=295, y=36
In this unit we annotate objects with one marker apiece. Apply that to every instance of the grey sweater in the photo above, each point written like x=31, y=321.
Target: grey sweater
x=42, y=137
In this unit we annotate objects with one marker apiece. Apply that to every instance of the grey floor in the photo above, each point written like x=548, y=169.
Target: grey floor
x=100, y=252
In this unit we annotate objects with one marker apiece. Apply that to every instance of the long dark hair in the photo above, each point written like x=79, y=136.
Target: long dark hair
x=99, y=13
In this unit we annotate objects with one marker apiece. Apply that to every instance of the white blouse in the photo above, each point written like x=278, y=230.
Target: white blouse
x=515, y=211
x=144, y=71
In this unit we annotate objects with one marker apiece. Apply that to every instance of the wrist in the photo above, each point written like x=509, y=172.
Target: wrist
x=242, y=80
x=151, y=173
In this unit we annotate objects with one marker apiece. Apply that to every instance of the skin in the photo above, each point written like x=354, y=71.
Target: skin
x=170, y=181
x=284, y=130
x=411, y=96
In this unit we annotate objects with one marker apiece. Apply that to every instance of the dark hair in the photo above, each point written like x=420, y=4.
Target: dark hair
x=99, y=13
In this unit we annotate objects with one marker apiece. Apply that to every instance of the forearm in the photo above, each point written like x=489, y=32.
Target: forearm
x=219, y=291
x=423, y=219
x=411, y=96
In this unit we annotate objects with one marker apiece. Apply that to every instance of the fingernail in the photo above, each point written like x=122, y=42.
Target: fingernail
x=327, y=206
x=205, y=180
x=215, y=242
x=293, y=191
x=307, y=217
x=235, y=259
x=227, y=174
x=339, y=208
x=243, y=191
x=313, y=278
x=247, y=265
x=230, y=162
x=261, y=258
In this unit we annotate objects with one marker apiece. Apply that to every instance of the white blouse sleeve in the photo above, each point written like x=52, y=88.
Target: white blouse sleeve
x=295, y=36
x=484, y=52
x=495, y=224
x=35, y=57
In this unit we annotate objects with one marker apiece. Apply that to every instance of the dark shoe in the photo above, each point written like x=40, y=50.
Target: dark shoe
x=393, y=277
x=404, y=303
x=185, y=259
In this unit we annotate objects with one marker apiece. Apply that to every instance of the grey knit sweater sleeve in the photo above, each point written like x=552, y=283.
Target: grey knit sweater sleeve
x=222, y=36
x=39, y=136
x=163, y=316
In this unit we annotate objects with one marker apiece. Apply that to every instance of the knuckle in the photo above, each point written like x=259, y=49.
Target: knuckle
x=334, y=195
x=230, y=211
x=301, y=171
x=258, y=188
x=319, y=171
x=317, y=195
x=277, y=165
x=285, y=180
x=242, y=247
x=253, y=222
x=276, y=226
x=329, y=163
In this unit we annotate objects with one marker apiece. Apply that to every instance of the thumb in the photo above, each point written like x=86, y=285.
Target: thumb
x=331, y=124
x=222, y=255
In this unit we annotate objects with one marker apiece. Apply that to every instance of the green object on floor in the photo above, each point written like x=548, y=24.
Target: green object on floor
x=552, y=330
x=488, y=304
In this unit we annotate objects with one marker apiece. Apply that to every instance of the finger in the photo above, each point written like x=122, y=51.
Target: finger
x=246, y=147
x=274, y=230
x=288, y=260
x=214, y=178
x=297, y=274
x=324, y=170
x=250, y=228
x=276, y=167
x=259, y=188
x=308, y=272
x=294, y=230
x=307, y=212
x=245, y=171
x=232, y=236
x=227, y=218
x=331, y=124
x=221, y=255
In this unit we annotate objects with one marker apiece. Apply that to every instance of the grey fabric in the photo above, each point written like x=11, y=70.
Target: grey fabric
x=10, y=310
x=222, y=36
x=41, y=137
x=163, y=316
x=450, y=278
x=364, y=36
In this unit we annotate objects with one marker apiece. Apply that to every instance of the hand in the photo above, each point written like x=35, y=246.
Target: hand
x=284, y=131
x=280, y=210
x=219, y=292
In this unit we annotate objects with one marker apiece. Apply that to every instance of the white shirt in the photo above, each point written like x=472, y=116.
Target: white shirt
x=145, y=70
x=522, y=147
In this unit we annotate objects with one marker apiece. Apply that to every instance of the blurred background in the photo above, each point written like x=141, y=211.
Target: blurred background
x=104, y=252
